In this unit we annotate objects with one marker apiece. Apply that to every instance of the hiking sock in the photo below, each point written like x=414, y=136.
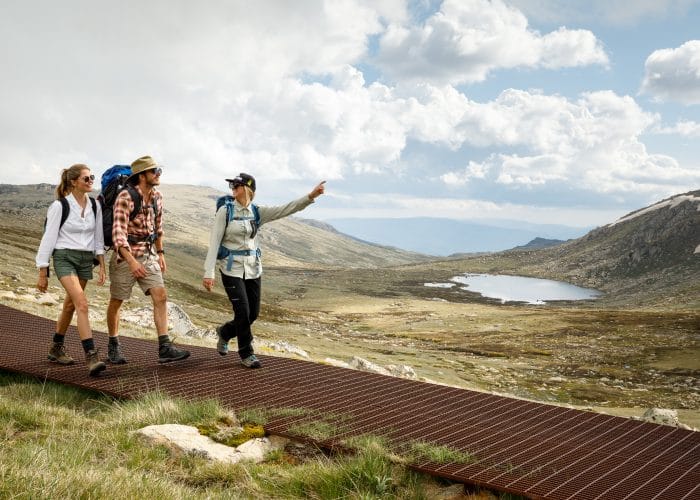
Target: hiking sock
x=88, y=345
x=114, y=341
x=163, y=339
x=58, y=338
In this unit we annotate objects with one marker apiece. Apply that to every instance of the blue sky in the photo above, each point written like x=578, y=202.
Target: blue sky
x=547, y=111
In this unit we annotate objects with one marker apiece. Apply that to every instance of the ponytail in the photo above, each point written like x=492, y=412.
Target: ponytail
x=68, y=175
x=249, y=195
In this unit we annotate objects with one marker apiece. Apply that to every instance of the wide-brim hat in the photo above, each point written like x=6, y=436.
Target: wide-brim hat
x=243, y=180
x=142, y=164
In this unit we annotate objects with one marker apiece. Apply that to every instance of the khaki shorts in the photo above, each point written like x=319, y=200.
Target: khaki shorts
x=122, y=281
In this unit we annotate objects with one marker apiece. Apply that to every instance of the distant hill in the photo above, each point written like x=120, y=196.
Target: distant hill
x=650, y=254
x=289, y=242
x=443, y=237
x=189, y=214
x=539, y=243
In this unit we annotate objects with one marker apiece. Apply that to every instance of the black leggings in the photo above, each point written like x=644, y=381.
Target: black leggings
x=245, y=300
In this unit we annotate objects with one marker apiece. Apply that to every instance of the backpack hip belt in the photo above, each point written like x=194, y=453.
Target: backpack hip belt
x=232, y=253
x=255, y=222
x=149, y=238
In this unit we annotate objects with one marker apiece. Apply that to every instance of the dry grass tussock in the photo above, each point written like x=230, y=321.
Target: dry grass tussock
x=61, y=442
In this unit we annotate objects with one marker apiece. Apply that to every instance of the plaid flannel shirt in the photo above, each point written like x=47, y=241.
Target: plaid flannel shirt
x=141, y=226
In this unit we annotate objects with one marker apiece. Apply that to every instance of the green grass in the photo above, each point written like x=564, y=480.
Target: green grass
x=62, y=442
x=421, y=451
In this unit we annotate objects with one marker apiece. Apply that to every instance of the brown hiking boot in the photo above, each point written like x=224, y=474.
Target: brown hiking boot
x=57, y=354
x=95, y=366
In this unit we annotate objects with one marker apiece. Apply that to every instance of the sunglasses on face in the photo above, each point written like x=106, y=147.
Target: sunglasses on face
x=234, y=185
x=88, y=178
x=157, y=171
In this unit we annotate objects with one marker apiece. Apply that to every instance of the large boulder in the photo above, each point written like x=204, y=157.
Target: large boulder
x=661, y=416
x=187, y=439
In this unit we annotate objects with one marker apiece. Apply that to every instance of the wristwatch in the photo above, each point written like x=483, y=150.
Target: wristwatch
x=160, y=251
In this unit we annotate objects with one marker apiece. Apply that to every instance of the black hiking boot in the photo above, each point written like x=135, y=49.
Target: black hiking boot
x=114, y=354
x=167, y=352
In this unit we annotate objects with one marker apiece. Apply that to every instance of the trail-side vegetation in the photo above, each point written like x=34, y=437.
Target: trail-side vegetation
x=62, y=442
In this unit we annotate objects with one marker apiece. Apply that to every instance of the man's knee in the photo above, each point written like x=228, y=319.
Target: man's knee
x=114, y=306
x=158, y=295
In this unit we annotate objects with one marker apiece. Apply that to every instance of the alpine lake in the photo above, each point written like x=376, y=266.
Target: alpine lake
x=518, y=288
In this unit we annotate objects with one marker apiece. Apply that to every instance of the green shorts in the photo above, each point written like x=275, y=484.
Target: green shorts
x=68, y=262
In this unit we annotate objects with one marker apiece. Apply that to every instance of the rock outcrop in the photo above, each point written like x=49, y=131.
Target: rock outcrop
x=186, y=439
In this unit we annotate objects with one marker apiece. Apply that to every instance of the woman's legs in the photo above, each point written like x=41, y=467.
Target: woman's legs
x=244, y=296
x=75, y=301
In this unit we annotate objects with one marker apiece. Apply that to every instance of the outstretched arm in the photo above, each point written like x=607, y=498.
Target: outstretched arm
x=268, y=214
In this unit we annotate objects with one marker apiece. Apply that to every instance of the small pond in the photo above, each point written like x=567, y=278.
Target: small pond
x=519, y=288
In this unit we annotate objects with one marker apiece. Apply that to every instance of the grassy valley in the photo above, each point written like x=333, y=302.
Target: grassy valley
x=333, y=296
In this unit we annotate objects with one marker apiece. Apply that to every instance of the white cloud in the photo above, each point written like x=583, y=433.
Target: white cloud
x=199, y=87
x=468, y=39
x=276, y=89
x=390, y=204
x=613, y=12
x=674, y=74
x=591, y=144
x=684, y=128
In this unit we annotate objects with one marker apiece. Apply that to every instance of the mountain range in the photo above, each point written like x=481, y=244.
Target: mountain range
x=652, y=252
x=443, y=237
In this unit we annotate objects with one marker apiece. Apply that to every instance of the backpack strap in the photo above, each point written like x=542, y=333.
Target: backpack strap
x=225, y=253
x=136, y=198
x=65, y=210
x=230, y=213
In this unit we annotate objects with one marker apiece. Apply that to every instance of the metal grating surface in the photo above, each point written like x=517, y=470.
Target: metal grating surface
x=532, y=449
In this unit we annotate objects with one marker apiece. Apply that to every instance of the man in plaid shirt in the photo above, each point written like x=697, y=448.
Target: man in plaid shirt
x=139, y=257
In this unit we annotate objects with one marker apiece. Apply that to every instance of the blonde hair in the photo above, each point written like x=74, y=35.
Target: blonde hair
x=68, y=175
x=249, y=195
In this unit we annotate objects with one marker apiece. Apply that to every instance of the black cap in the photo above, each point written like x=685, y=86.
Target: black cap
x=243, y=180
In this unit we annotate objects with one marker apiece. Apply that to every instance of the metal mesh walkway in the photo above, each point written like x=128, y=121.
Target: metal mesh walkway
x=522, y=447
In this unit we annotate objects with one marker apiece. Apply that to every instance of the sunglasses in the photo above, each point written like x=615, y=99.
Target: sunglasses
x=157, y=171
x=234, y=184
x=88, y=178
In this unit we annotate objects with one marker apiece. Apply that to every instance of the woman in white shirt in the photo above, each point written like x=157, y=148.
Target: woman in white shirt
x=74, y=239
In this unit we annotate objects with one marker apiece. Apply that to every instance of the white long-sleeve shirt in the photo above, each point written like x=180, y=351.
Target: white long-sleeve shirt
x=238, y=235
x=81, y=231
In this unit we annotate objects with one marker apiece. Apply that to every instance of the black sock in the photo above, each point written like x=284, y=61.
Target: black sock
x=162, y=339
x=114, y=341
x=58, y=337
x=88, y=345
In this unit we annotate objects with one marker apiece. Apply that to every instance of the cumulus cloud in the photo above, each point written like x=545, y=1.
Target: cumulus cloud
x=591, y=143
x=684, y=128
x=613, y=12
x=277, y=89
x=215, y=86
x=674, y=74
x=467, y=39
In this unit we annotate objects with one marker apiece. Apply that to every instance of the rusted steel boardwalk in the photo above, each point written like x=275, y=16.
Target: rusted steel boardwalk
x=532, y=449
